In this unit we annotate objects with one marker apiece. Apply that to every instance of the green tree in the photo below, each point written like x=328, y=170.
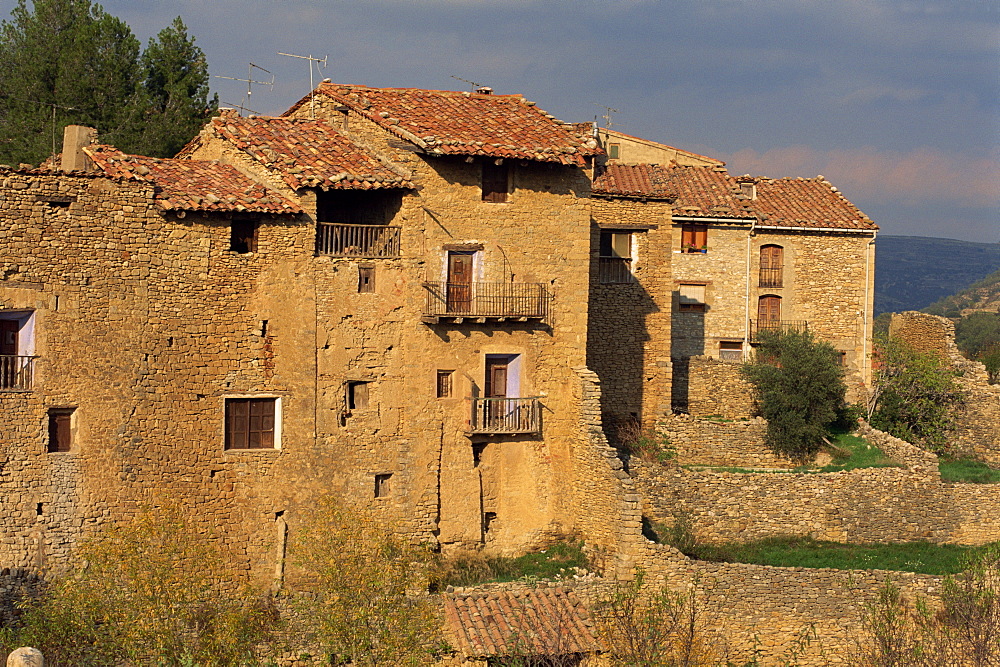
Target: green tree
x=176, y=91
x=977, y=332
x=799, y=388
x=914, y=394
x=69, y=62
x=150, y=591
x=367, y=602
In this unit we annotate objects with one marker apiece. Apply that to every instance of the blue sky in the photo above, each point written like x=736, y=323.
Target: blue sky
x=897, y=102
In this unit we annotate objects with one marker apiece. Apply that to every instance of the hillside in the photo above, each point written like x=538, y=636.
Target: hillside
x=981, y=295
x=912, y=272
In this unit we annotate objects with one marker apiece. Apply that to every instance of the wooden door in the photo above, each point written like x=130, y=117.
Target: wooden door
x=459, y=282
x=8, y=337
x=769, y=311
x=496, y=389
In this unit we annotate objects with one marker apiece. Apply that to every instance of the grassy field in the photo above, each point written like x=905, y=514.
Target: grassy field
x=964, y=470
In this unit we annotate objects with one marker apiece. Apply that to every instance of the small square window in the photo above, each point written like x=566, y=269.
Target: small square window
x=250, y=423
x=731, y=350
x=694, y=238
x=444, y=383
x=383, y=486
x=60, y=429
x=691, y=299
x=613, y=151
x=366, y=279
x=494, y=182
x=243, y=236
x=357, y=395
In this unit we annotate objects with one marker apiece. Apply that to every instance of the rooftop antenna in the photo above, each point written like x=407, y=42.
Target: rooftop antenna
x=312, y=88
x=250, y=80
x=608, y=123
x=246, y=110
x=472, y=83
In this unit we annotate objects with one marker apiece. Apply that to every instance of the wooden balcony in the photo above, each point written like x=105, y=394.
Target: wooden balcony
x=368, y=241
x=16, y=372
x=482, y=302
x=756, y=326
x=499, y=416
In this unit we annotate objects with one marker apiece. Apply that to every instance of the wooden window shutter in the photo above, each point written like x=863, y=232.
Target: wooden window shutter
x=494, y=182
x=60, y=430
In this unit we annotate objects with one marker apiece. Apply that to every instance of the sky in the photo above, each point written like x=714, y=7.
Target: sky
x=896, y=102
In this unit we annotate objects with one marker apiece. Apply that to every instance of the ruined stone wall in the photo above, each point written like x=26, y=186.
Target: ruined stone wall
x=634, y=365
x=978, y=420
x=862, y=506
x=715, y=387
x=704, y=442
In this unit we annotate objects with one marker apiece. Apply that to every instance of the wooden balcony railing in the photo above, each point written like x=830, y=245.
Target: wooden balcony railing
x=498, y=301
x=756, y=326
x=339, y=240
x=770, y=277
x=614, y=270
x=16, y=372
x=506, y=415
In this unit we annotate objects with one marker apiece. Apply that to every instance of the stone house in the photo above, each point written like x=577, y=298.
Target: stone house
x=744, y=255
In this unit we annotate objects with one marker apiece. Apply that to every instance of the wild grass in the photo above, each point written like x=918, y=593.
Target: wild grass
x=968, y=471
x=560, y=561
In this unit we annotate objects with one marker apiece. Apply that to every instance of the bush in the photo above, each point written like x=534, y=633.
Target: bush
x=799, y=388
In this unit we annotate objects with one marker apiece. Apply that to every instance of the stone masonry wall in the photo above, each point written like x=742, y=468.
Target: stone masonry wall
x=715, y=387
x=704, y=442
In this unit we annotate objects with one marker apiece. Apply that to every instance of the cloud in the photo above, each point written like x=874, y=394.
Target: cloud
x=921, y=174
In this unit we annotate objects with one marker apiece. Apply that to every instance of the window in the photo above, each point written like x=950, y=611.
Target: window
x=243, y=236
x=366, y=279
x=691, y=299
x=769, y=311
x=494, y=183
x=251, y=423
x=694, y=238
x=770, y=266
x=60, y=429
x=382, y=485
x=17, y=344
x=614, y=150
x=444, y=384
x=357, y=395
x=731, y=350
x=615, y=257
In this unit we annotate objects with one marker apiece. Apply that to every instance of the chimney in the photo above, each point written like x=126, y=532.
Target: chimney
x=484, y=90
x=75, y=138
x=748, y=187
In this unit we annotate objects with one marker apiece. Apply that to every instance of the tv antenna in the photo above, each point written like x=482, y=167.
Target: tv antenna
x=250, y=80
x=472, y=83
x=242, y=108
x=608, y=123
x=320, y=62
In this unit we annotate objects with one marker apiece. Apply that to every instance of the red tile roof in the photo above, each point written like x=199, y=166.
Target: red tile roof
x=710, y=192
x=461, y=123
x=192, y=185
x=530, y=621
x=308, y=153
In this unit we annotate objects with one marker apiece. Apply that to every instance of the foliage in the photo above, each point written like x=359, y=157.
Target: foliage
x=803, y=551
x=645, y=443
x=914, y=394
x=70, y=62
x=851, y=452
x=968, y=471
x=559, y=561
x=367, y=599
x=799, y=388
x=647, y=626
x=963, y=631
x=977, y=332
x=148, y=590
x=990, y=357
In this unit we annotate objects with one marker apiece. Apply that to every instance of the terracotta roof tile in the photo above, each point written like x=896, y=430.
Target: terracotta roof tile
x=710, y=192
x=530, y=621
x=462, y=123
x=192, y=185
x=308, y=153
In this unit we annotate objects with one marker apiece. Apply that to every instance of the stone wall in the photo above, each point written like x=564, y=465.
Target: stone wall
x=705, y=442
x=715, y=387
x=859, y=506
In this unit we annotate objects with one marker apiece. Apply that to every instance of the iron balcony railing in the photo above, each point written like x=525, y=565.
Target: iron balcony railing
x=487, y=300
x=614, y=270
x=770, y=277
x=340, y=240
x=756, y=326
x=506, y=415
x=16, y=372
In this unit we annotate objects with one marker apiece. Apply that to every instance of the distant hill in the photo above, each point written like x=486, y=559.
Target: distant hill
x=912, y=272
x=982, y=295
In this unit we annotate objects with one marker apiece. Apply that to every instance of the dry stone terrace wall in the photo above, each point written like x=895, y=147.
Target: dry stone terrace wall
x=704, y=442
x=715, y=387
x=860, y=506
x=634, y=366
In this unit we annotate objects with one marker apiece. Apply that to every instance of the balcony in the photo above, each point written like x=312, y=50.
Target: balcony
x=611, y=270
x=499, y=416
x=16, y=372
x=480, y=302
x=368, y=241
x=769, y=277
x=756, y=326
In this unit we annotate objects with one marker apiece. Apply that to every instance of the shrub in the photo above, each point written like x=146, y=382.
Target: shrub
x=799, y=388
